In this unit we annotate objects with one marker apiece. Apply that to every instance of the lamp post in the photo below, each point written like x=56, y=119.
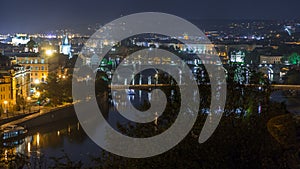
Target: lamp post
x=38, y=94
x=5, y=107
x=156, y=78
x=28, y=102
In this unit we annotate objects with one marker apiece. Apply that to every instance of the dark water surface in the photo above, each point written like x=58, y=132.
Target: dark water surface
x=67, y=139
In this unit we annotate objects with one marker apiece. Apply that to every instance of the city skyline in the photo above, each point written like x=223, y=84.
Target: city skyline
x=35, y=16
x=150, y=84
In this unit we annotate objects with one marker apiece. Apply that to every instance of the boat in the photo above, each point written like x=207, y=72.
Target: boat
x=14, y=143
x=130, y=92
x=12, y=132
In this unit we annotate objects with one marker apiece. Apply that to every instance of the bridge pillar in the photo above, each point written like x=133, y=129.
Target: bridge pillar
x=132, y=77
x=149, y=80
x=140, y=80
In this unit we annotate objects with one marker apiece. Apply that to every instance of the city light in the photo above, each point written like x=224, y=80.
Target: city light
x=37, y=94
x=49, y=52
x=37, y=81
x=28, y=147
x=5, y=103
x=38, y=139
x=170, y=77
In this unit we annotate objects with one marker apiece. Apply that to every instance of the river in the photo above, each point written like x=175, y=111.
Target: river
x=67, y=137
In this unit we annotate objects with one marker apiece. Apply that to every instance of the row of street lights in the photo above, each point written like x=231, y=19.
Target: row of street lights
x=5, y=102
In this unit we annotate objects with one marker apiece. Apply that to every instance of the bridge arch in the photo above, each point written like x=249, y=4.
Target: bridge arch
x=268, y=72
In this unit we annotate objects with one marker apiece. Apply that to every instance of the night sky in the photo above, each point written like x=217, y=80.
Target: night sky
x=40, y=15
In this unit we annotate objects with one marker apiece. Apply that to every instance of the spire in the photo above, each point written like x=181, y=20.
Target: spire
x=65, y=40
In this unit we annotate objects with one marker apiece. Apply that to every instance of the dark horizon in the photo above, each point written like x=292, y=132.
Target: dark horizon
x=83, y=27
x=38, y=16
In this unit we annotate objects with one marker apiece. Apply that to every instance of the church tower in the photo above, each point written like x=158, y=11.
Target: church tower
x=65, y=47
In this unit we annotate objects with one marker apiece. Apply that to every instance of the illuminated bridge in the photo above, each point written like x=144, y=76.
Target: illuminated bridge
x=285, y=87
x=147, y=86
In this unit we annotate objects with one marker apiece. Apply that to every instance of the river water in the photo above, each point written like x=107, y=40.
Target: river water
x=68, y=138
x=292, y=100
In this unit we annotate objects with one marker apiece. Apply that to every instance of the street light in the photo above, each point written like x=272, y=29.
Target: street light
x=28, y=101
x=5, y=103
x=37, y=81
x=49, y=52
x=37, y=94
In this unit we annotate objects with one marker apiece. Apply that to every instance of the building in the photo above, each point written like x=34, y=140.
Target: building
x=237, y=57
x=65, y=47
x=31, y=46
x=14, y=85
x=272, y=59
x=20, y=39
x=20, y=82
x=6, y=100
x=37, y=64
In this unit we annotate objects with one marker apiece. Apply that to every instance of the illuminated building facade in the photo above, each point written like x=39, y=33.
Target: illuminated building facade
x=20, y=39
x=20, y=80
x=31, y=46
x=38, y=66
x=14, y=84
x=270, y=59
x=65, y=47
x=237, y=57
x=5, y=91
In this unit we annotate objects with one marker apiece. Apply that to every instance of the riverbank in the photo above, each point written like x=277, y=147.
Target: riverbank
x=7, y=120
x=43, y=116
x=49, y=117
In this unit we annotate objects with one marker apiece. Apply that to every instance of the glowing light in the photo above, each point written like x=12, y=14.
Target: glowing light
x=37, y=81
x=5, y=155
x=28, y=147
x=38, y=139
x=37, y=94
x=186, y=37
x=49, y=52
x=105, y=42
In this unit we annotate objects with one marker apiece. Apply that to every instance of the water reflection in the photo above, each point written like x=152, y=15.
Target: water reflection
x=52, y=141
x=68, y=137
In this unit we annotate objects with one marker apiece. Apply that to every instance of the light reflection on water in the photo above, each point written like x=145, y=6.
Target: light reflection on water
x=67, y=137
x=55, y=140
